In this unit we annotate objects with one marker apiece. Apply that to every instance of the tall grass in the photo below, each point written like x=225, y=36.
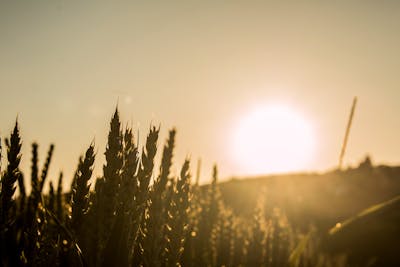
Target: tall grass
x=133, y=216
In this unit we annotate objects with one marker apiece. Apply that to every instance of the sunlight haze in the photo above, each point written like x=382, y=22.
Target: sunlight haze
x=273, y=138
x=202, y=67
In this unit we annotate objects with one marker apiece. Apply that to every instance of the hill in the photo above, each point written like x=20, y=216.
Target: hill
x=318, y=199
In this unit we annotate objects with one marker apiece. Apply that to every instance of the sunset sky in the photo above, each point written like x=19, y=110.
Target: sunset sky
x=207, y=68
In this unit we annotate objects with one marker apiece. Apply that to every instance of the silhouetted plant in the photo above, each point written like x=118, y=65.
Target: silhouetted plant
x=144, y=175
x=51, y=199
x=11, y=176
x=8, y=216
x=112, y=177
x=256, y=248
x=156, y=217
x=80, y=192
x=60, y=197
x=177, y=224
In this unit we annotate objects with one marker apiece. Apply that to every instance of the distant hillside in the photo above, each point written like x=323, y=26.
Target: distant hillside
x=318, y=199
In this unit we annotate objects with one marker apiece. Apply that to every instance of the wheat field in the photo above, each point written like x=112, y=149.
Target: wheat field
x=136, y=215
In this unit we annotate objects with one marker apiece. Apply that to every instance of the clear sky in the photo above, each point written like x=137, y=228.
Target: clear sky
x=201, y=66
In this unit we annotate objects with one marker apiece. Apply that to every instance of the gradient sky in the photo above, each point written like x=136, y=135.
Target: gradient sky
x=199, y=66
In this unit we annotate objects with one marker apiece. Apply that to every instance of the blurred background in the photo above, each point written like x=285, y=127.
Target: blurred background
x=205, y=68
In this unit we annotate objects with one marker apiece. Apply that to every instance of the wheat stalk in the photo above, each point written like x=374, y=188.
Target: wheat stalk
x=178, y=218
x=153, y=240
x=346, y=136
x=80, y=192
x=11, y=176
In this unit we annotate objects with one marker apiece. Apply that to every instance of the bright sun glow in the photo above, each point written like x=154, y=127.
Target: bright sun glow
x=272, y=139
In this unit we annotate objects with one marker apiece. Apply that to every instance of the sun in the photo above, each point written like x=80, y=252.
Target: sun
x=273, y=139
